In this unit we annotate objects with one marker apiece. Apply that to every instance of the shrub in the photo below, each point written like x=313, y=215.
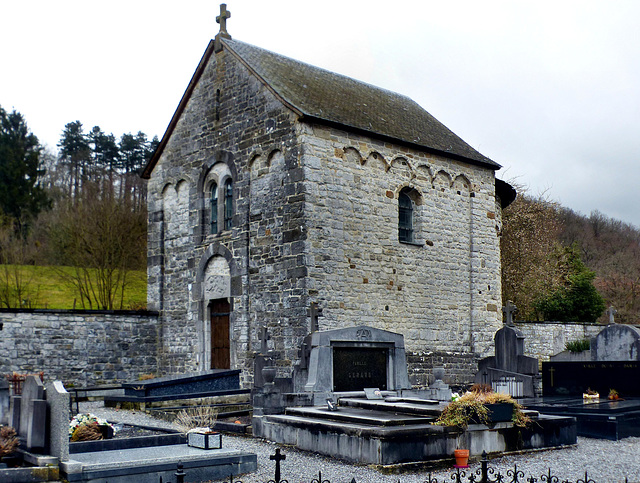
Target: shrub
x=472, y=405
x=578, y=345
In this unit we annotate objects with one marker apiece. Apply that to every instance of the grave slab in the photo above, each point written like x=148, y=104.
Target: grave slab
x=148, y=465
x=601, y=419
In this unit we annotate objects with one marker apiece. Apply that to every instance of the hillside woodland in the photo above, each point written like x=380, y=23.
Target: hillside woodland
x=83, y=209
x=560, y=265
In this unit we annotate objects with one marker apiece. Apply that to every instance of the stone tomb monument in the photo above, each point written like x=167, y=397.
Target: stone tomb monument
x=337, y=412
x=613, y=362
x=509, y=370
x=355, y=358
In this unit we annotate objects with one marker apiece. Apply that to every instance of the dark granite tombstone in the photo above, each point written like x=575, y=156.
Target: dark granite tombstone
x=355, y=368
x=509, y=367
x=4, y=401
x=574, y=378
x=613, y=363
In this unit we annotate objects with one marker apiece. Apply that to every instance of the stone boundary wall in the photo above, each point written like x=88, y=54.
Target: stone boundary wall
x=459, y=368
x=78, y=347
x=545, y=339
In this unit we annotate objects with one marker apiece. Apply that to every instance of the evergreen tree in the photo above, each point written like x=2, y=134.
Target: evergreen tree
x=578, y=300
x=75, y=153
x=21, y=196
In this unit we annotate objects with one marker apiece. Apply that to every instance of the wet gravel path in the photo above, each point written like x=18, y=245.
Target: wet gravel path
x=604, y=461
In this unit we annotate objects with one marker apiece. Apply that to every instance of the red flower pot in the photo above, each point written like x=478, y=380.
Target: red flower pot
x=462, y=458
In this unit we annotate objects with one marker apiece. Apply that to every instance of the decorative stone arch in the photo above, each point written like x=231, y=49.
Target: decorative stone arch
x=213, y=289
x=258, y=164
x=352, y=156
x=442, y=181
x=206, y=176
x=402, y=166
x=423, y=172
x=377, y=160
x=462, y=185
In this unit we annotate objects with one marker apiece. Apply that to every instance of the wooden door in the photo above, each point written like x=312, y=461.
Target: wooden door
x=220, y=344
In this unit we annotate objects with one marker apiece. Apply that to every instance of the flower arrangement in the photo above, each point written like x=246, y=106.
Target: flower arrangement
x=86, y=427
x=473, y=406
x=613, y=395
x=8, y=440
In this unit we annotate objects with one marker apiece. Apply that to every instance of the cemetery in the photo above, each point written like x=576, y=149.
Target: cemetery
x=381, y=347
x=349, y=397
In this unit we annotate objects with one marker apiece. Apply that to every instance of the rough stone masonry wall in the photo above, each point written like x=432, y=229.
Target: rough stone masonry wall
x=77, y=347
x=442, y=292
x=231, y=118
x=545, y=339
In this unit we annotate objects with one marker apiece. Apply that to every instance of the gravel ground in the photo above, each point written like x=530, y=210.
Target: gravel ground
x=605, y=461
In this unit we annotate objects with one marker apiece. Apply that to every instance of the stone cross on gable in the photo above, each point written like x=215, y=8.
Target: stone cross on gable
x=264, y=337
x=222, y=20
x=508, y=312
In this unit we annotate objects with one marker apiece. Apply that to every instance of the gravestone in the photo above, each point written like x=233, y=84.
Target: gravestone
x=438, y=390
x=58, y=399
x=613, y=362
x=616, y=343
x=4, y=401
x=14, y=412
x=355, y=368
x=509, y=370
x=33, y=413
x=351, y=359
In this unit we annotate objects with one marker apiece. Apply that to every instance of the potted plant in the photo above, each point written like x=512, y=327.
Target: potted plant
x=482, y=405
x=198, y=424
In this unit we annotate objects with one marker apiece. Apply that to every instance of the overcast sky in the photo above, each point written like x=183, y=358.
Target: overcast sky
x=548, y=89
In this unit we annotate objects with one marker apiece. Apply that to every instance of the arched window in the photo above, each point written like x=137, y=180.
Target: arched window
x=228, y=204
x=213, y=200
x=405, y=217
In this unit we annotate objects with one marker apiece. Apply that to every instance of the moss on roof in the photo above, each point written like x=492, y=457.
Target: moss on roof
x=321, y=95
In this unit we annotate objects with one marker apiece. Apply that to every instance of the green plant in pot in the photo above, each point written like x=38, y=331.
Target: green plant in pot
x=477, y=406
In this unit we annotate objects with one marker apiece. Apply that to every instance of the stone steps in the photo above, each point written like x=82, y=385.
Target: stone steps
x=370, y=417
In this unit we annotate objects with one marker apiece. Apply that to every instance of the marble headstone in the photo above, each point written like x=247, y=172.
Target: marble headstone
x=58, y=399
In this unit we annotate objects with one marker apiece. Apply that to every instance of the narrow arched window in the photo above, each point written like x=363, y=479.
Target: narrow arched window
x=228, y=204
x=405, y=217
x=213, y=200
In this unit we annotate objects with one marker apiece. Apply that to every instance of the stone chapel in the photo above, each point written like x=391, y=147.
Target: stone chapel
x=289, y=197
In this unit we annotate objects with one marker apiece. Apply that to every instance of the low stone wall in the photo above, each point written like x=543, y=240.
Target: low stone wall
x=545, y=339
x=80, y=348
x=459, y=368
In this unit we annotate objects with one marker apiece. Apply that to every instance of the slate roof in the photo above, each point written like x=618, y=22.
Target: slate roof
x=323, y=96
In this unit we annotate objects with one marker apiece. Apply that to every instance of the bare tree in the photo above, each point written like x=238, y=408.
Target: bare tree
x=103, y=238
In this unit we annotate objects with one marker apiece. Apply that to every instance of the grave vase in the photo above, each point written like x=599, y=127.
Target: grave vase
x=204, y=439
x=269, y=374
